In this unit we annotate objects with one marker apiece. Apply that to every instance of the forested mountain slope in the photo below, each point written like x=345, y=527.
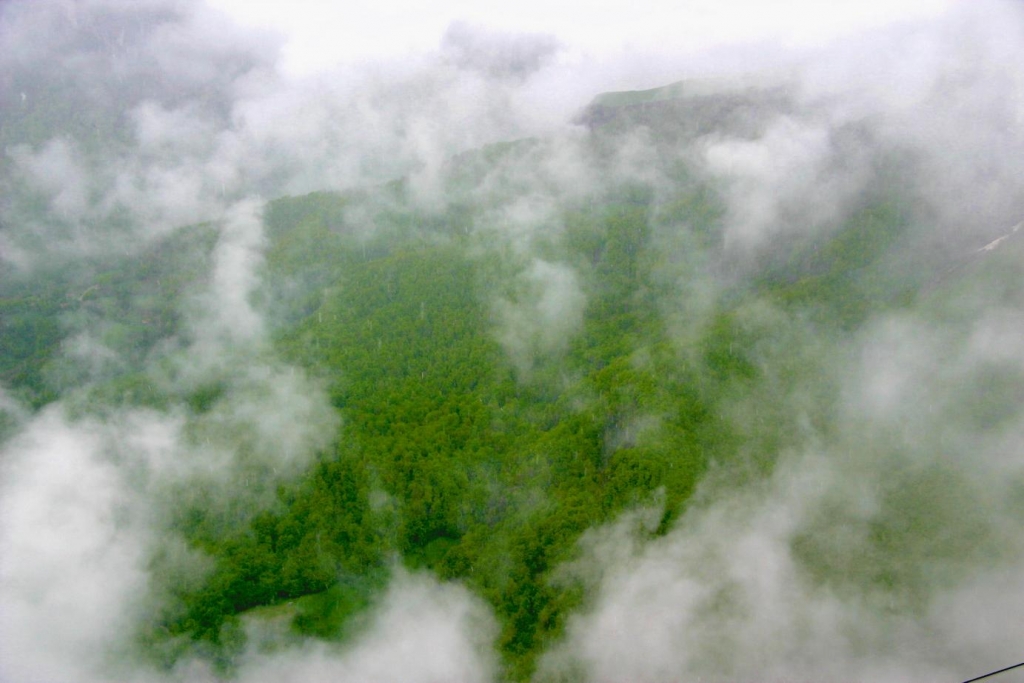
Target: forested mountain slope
x=720, y=380
x=495, y=402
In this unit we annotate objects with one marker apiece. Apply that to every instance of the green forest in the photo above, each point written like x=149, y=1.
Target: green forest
x=451, y=457
x=436, y=363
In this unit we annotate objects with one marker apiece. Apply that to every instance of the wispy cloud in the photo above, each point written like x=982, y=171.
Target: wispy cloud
x=883, y=545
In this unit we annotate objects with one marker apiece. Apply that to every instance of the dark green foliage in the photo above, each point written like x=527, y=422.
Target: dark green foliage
x=29, y=336
x=851, y=275
x=447, y=459
x=334, y=612
x=444, y=459
x=127, y=305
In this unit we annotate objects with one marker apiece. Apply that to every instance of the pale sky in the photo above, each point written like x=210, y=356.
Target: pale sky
x=323, y=33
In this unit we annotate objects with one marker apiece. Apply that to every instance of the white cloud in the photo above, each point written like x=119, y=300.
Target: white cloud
x=422, y=631
x=72, y=552
x=884, y=548
x=209, y=123
x=540, y=322
x=320, y=34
